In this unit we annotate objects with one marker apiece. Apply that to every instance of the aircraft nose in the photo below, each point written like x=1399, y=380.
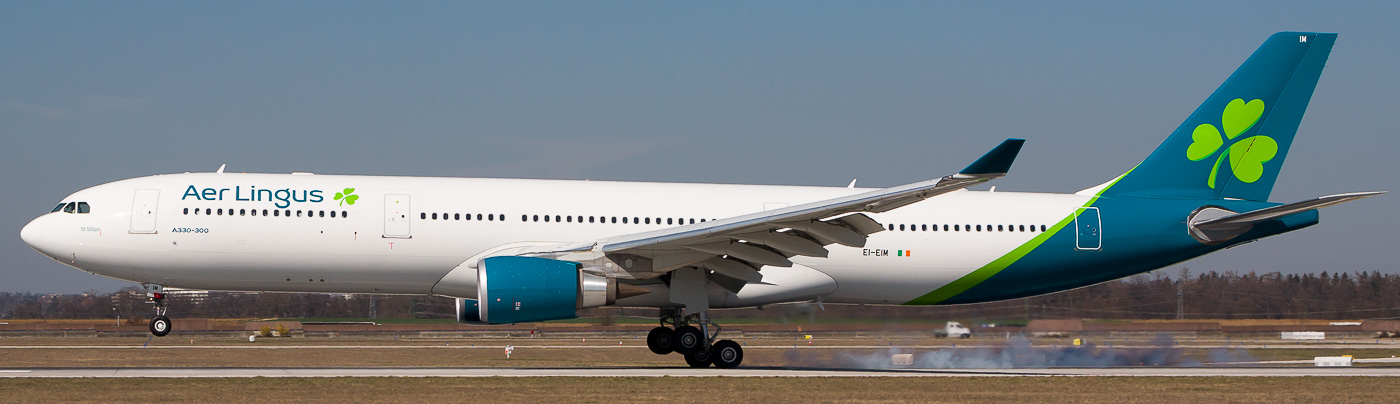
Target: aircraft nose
x=33, y=235
x=28, y=233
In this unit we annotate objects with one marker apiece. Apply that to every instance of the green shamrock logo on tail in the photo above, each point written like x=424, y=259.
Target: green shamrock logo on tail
x=345, y=196
x=1248, y=155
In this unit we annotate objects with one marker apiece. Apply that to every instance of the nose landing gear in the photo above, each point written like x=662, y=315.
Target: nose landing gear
x=160, y=324
x=699, y=347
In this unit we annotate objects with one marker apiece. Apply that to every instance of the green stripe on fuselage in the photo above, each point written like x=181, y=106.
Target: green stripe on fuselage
x=982, y=274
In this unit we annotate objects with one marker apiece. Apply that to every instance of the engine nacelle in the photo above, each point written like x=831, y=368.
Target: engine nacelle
x=523, y=289
x=468, y=311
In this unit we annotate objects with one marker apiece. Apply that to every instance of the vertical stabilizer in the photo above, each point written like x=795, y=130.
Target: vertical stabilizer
x=1234, y=144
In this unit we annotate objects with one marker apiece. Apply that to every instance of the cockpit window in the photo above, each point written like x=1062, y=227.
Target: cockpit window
x=83, y=207
x=70, y=207
x=59, y=207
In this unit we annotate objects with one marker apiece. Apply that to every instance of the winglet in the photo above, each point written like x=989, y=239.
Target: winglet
x=997, y=161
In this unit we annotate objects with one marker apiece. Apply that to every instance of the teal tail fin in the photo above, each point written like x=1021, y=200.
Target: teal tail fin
x=1234, y=144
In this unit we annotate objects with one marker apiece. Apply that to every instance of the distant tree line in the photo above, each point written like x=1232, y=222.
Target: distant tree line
x=1210, y=295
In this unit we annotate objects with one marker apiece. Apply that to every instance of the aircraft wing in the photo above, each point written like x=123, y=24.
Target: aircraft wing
x=735, y=247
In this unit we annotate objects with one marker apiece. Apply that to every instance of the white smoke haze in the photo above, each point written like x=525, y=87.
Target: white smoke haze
x=1019, y=353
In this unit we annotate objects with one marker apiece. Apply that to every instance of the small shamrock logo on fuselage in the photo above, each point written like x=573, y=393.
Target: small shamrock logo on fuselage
x=1247, y=156
x=346, y=196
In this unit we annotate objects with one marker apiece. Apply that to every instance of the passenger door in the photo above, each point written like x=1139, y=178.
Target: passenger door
x=398, y=214
x=143, y=211
x=1087, y=234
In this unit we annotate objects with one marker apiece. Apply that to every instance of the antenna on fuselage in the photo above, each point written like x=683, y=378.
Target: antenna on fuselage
x=221, y=169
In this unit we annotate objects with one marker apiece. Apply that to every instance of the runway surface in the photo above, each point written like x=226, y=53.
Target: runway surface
x=689, y=372
x=639, y=346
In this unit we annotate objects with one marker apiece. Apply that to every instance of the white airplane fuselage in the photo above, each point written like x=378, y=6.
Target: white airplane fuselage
x=287, y=233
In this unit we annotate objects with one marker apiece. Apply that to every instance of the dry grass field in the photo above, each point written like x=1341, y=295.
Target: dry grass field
x=601, y=350
x=708, y=390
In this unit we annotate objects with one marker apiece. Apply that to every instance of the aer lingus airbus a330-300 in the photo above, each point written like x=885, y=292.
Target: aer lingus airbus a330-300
x=512, y=250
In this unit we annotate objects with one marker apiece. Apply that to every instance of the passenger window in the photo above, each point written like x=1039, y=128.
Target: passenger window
x=901, y=227
x=923, y=227
x=648, y=220
x=945, y=227
x=979, y=227
x=590, y=219
x=668, y=221
x=221, y=212
x=957, y=228
x=570, y=219
x=624, y=220
x=614, y=219
x=478, y=216
x=241, y=212
x=298, y=213
x=999, y=228
x=187, y=211
x=635, y=220
x=421, y=215
x=83, y=207
x=264, y=212
x=1042, y=227
x=491, y=217
x=344, y=214
x=333, y=214
x=208, y=211
x=322, y=214
x=891, y=227
x=275, y=213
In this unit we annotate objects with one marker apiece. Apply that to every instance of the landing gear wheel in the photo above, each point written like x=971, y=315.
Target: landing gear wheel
x=726, y=354
x=160, y=326
x=699, y=359
x=688, y=340
x=661, y=340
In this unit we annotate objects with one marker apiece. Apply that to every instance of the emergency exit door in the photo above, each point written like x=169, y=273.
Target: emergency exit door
x=398, y=215
x=143, y=211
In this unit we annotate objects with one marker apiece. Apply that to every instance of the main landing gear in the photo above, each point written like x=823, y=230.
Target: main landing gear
x=697, y=344
x=160, y=324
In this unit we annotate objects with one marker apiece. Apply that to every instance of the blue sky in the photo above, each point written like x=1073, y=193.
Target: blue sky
x=735, y=92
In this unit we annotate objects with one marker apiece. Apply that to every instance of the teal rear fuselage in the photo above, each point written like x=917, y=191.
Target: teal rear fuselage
x=1137, y=235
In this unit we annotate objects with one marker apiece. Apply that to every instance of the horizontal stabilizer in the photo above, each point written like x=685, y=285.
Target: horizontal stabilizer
x=1263, y=215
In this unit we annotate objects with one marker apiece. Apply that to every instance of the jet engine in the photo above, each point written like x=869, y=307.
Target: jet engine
x=524, y=289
